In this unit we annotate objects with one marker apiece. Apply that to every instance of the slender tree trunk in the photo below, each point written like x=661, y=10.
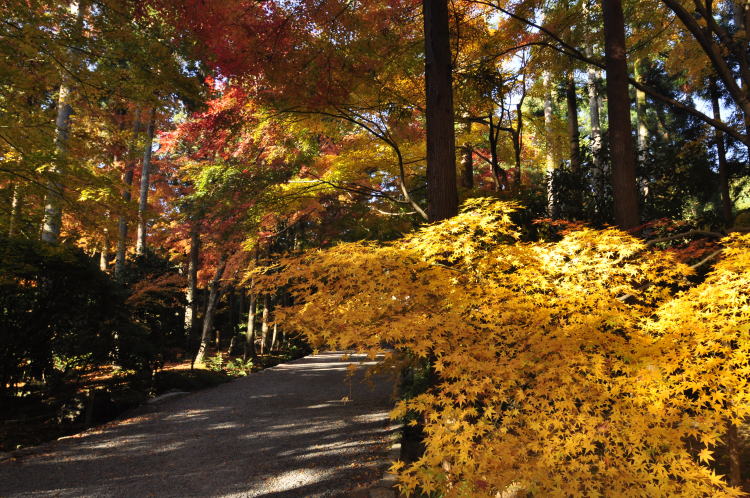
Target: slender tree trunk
x=518, y=145
x=274, y=337
x=442, y=191
x=467, y=160
x=574, y=133
x=213, y=299
x=192, y=288
x=721, y=152
x=127, y=180
x=250, y=332
x=264, y=323
x=104, y=253
x=15, y=210
x=595, y=121
x=54, y=198
x=550, y=146
x=640, y=106
x=574, y=136
x=140, y=247
x=641, y=129
x=627, y=209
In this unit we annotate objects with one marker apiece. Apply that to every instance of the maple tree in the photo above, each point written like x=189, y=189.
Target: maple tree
x=563, y=368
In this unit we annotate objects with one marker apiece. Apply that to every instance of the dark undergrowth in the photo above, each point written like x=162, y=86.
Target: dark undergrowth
x=46, y=412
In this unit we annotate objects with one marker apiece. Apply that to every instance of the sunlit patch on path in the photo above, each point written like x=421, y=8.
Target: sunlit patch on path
x=282, y=432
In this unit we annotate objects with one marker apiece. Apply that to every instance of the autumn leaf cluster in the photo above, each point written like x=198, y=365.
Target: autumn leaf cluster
x=583, y=367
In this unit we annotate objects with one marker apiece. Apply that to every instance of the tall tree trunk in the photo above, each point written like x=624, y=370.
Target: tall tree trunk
x=264, y=323
x=550, y=146
x=594, y=119
x=721, y=152
x=213, y=299
x=467, y=160
x=574, y=133
x=192, y=288
x=140, y=246
x=442, y=191
x=641, y=129
x=250, y=332
x=574, y=136
x=54, y=198
x=104, y=253
x=274, y=337
x=622, y=153
x=127, y=180
x=640, y=106
x=15, y=210
x=518, y=144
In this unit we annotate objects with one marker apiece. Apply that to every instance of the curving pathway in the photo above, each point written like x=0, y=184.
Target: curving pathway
x=287, y=431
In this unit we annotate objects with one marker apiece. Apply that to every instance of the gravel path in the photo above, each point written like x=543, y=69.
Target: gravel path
x=286, y=431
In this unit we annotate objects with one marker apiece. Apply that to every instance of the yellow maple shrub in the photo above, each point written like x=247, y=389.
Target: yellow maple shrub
x=584, y=367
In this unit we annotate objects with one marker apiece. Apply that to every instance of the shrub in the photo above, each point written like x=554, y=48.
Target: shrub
x=58, y=312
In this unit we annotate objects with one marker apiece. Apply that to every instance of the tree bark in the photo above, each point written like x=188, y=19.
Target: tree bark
x=127, y=180
x=140, y=247
x=15, y=210
x=54, y=198
x=442, y=191
x=264, y=323
x=104, y=253
x=250, y=332
x=574, y=137
x=192, y=289
x=595, y=121
x=213, y=299
x=518, y=144
x=640, y=106
x=622, y=153
x=721, y=152
x=574, y=134
x=274, y=337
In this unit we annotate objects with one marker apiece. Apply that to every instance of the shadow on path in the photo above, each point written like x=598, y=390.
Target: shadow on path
x=285, y=431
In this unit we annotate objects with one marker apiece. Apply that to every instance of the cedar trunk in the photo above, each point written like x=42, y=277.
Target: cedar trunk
x=622, y=152
x=442, y=192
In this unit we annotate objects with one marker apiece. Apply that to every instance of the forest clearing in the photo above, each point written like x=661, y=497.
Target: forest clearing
x=533, y=214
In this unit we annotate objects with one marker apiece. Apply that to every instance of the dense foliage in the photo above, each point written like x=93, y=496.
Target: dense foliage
x=591, y=365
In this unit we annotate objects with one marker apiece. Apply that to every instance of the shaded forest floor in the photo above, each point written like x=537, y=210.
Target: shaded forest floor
x=100, y=395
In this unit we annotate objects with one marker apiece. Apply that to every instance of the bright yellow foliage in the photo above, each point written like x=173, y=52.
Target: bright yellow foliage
x=576, y=368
